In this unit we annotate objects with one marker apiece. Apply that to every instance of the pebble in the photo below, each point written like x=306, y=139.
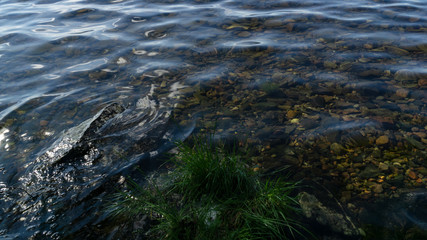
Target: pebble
x=383, y=167
x=163, y=84
x=412, y=174
x=422, y=82
x=308, y=123
x=421, y=134
x=244, y=34
x=272, y=23
x=295, y=121
x=403, y=93
x=377, y=188
x=368, y=46
x=277, y=76
x=337, y=148
x=291, y=114
x=329, y=64
x=396, y=50
x=290, y=26
x=382, y=140
x=404, y=75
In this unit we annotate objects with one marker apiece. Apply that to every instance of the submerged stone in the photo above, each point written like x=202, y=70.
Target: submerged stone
x=369, y=172
x=337, y=148
x=328, y=217
x=382, y=140
x=401, y=92
x=383, y=167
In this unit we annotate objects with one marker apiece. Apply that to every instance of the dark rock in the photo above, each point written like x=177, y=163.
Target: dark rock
x=289, y=129
x=318, y=101
x=389, y=126
x=308, y=123
x=265, y=105
x=337, y=148
x=369, y=172
x=372, y=89
x=337, y=222
x=415, y=143
x=355, y=139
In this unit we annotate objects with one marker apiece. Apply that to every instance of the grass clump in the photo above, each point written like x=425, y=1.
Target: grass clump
x=212, y=194
x=206, y=170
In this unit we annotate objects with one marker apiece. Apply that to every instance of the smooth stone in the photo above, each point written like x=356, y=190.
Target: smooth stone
x=272, y=23
x=163, y=84
x=405, y=75
x=329, y=64
x=43, y=123
x=295, y=121
x=377, y=188
x=308, y=123
x=382, y=140
x=290, y=128
x=383, y=167
x=368, y=46
x=325, y=215
x=345, y=66
x=318, y=101
x=412, y=174
x=396, y=50
x=277, y=76
x=291, y=114
x=369, y=172
x=422, y=82
x=337, y=148
x=401, y=92
x=421, y=134
x=415, y=143
x=244, y=34
x=371, y=73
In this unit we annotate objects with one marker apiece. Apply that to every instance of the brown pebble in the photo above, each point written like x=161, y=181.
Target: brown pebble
x=382, y=140
x=422, y=82
x=412, y=174
x=291, y=114
x=290, y=27
x=401, y=92
x=377, y=188
x=272, y=23
x=421, y=134
x=329, y=64
x=244, y=34
x=368, y=46
x=43, y=123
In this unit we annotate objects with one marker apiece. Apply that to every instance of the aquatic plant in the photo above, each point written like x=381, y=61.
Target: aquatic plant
x=205, y=169
x=213, y=194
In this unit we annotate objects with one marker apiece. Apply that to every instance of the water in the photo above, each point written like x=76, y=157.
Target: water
x=335, y=88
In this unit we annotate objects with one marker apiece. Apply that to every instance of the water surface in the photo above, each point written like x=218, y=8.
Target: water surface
x=336, y=89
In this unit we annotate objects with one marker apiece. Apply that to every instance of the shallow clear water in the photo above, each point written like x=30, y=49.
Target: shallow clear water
x=335, y=88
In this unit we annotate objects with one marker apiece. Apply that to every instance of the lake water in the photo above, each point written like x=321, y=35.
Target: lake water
x=91, y=89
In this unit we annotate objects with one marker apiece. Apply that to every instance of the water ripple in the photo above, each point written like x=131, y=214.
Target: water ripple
x=241, y=63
